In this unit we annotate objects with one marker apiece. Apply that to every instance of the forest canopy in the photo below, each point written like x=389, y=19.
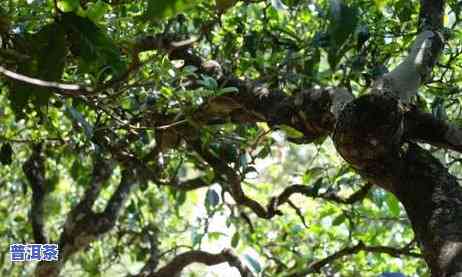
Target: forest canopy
x=232, y=137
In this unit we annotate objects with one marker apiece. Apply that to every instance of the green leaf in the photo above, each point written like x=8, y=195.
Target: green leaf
x=75, y=170
x=251, y=43
x=343, y=22
x=52, y=181
x=228, y=90
x=243, y=161
x=380, y=4
x=225, y=151
x=158, y=9
x=180, y=198
x=339, y=220
x=235, y=239
x=208, y=82
x=312, y=173
x=94, y=48
x=68, y=5
x=291, y=3
x=47, y=63
x=264, y=152
x=212, y=198
x=97, y=10
x=312, y=64
x=317, y=185
x=296, y=229
x=215, y=235
x=438, y=108
x=404, y=10
x=196, y=238
x=6, y=154
x=77, y=117
x=393, y=205
x=253, y=262
x=291, y=132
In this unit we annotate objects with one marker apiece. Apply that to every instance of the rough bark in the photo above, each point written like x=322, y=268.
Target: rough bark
x=377, y=135
x=369, y=135
x=83, y=225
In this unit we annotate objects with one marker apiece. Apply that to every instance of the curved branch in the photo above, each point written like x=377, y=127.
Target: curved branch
x=312, y=191
x=316, y=266
x=416, y=68
x=431, y=15
x=233, y=179
x=180, y=262
x=102, y=171
x=312, y=112
x=34, y=169
x=221, y=168
x=67, y=89
x=83, y=226
x=424, y=127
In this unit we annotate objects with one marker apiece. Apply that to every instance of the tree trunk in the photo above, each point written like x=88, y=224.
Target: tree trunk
x=369, y=135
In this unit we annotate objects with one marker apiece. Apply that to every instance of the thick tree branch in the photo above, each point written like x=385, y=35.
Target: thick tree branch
x=83, y=226
x=312, y=112
x=424, y=127
x=404, y=81
x=34, y=169
x=416, y=68
x=117, y=199
x=431, y=15
x=102, y=171
x=174, y=267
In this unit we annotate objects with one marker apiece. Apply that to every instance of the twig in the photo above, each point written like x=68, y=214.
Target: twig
x=66, y=89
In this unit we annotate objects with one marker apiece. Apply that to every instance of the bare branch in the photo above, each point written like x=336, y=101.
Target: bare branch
x=298, y=212
x=316, y=266
x=312, y=191
x=232, y=178
x=353, y=198
x=67, y=89
x=180, y=262
x=431, y=15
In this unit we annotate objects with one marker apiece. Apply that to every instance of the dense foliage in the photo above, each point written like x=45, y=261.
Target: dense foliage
x=114, y=92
